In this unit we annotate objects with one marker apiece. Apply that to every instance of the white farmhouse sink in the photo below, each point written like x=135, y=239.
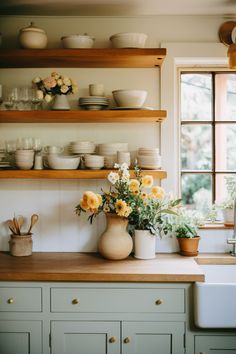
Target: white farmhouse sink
x=214, y=300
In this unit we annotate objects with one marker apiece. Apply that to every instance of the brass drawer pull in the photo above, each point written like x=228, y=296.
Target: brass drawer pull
x=127, y=340
x=112, y=339
x=158, y=302
x=11, y=300
x=75, y=301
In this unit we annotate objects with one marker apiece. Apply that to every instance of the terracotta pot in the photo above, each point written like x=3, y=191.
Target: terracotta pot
x=188, y=246
x=60, y=103
x=144, y=244
x=21, y=245
x=115, y=243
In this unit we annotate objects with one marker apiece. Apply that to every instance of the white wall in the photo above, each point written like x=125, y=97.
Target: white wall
x=54, y=200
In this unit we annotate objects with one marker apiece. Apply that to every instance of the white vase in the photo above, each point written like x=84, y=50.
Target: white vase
x=60, y=103
x=115, y=243
x=228, y=216
x=144, y=244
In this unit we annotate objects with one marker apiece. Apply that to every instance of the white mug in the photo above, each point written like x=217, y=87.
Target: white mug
x=96, y=90
x=123, y=157
x=52, y=149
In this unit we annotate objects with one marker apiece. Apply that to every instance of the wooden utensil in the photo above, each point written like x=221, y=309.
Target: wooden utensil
x=11, y=226
x=15, y=222
x=34, y=219
x=20, y=221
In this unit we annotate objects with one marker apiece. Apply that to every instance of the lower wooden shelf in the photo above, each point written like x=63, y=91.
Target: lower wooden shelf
x=70, y=174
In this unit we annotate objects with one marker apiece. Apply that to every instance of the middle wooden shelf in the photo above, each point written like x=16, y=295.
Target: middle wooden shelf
x=80, y=116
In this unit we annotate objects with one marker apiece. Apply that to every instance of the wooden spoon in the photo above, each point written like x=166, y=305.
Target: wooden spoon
x=20, y=221
x=34, y=219
x=15, y=222
x=11, y=226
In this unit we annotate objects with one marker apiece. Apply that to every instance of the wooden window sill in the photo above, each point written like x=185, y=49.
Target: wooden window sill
x=216, y=226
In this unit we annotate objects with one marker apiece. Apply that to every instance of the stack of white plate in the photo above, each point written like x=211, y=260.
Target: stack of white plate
x=149, y=158
x=109, y=151
x=94, y=162
x=92, y=103
x=82, y=147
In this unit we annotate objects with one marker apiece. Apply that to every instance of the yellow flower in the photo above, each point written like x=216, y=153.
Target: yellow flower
x=83, y=204
x=99, y=198
x=134, y=185
x=106, y=209
x=158, y=192
x=144, y=195
x=91, y=200
x=147, y=181
x=121, y=207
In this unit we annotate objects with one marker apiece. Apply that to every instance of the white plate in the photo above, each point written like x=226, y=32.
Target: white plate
x=127, y=108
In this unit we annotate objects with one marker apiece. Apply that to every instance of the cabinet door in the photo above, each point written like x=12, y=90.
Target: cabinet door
x=153, y=338
x=220, y=344
x=20, y=337
x=85, y=337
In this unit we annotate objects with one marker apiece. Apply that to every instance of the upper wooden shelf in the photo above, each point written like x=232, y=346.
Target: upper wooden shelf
x=82, y=58
x=106, y=116
x=70, y=174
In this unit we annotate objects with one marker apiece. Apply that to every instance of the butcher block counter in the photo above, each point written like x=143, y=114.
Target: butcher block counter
x=51, y=266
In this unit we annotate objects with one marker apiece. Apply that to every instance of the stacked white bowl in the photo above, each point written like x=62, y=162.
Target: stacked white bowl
x=24, y=159
x=94, y=162
x=109, y=151
x=149, y=158
x=82, y=147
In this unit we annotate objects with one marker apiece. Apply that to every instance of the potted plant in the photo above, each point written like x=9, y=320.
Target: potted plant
x=226, y=206
x=185, y=227
x=55, y=86
x=150, y=205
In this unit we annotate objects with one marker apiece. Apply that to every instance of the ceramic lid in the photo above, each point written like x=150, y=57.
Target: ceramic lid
x=78, y=36
x=32, y=28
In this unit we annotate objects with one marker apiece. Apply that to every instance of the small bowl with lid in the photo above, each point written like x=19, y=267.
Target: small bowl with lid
x=32, y=37
x=78, y=41
x=128, y=40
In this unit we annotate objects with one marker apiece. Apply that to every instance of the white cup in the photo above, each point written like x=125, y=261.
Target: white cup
x=96, y=90
x=52, y=149
x=38, y=162
x=123, y=157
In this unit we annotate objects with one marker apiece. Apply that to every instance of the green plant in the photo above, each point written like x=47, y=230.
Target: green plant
x=185, y=224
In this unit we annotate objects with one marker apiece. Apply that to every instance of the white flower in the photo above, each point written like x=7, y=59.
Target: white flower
x=59, y=82
x=66, y=81
x=124, y=166
x=39, y=94
x=36, y=80
x=125, y=176
x=113, y=177
x=64, y=88
x=48, y=98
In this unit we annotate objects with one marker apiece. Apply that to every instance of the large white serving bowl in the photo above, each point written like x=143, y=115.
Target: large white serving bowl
x=63, y=162
x=77, y=41
x=128, y=40
x=129, y=98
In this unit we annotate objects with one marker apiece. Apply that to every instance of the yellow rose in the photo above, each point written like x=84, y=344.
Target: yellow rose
x=66, y=81
x=121, y=207
x=83, y=204
x=64, y=89
x=147, y=181
x=158, y=192
x=92, y=201
x=99, y=198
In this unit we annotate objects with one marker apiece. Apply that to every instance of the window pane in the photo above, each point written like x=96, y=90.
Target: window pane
x=225, y=147
x=196, y=147
x=197, y=191
x=221, y=190
x=196, y=96
x=225, y=96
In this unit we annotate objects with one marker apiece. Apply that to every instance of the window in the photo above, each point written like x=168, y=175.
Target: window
x=208, y=135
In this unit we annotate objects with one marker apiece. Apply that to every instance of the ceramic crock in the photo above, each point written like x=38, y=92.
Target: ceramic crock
x=32, y=37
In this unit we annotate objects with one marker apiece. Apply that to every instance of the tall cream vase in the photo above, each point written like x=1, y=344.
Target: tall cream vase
x=144, y=244
x=115, y=243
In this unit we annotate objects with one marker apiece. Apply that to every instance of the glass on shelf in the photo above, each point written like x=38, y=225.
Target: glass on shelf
x=36, y=101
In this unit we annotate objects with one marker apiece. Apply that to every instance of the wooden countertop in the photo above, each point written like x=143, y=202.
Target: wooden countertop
x=48, y=266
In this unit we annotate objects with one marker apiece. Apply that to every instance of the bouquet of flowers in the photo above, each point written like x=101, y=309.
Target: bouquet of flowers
x=54, y=85
x=134, y=198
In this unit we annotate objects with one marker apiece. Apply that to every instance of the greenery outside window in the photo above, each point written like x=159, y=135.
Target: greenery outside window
x=207, y=135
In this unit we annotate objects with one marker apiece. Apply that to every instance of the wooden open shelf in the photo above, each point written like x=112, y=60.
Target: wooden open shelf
x=82, y=58
x=70, y=174
x=106, y=116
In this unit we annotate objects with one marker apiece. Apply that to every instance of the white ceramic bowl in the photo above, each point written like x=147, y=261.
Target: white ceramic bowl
x=129, y=98
x=77, y=41
x=63, y=162
x=128, y=40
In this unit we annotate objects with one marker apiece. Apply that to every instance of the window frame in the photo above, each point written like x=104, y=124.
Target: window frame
x=213, y=124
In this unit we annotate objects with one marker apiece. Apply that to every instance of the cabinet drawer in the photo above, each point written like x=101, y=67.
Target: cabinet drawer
x=117, y=300
x=20, y=299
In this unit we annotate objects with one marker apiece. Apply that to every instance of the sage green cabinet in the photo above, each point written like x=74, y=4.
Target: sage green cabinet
x=20, y=337
x=215, y=344
x=85, y=337
x=153, y=338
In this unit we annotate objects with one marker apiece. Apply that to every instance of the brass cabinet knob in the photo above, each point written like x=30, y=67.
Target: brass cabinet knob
x=112, y=339
x=158, y=302
x=127, y=340
x=75, y=301
x=11, y=300
x=201, y=353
